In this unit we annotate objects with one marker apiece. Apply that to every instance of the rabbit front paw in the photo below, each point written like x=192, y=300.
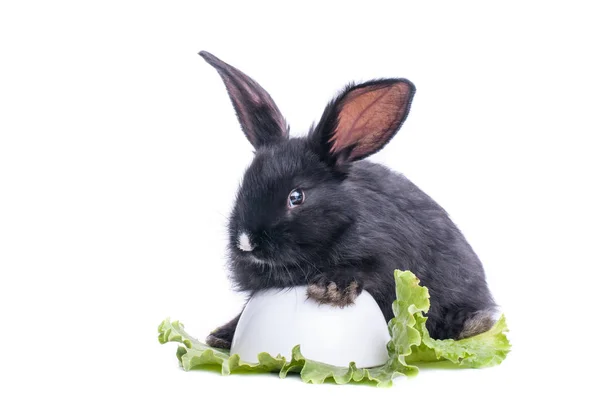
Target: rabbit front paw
x=222, y=336
x=334, y=291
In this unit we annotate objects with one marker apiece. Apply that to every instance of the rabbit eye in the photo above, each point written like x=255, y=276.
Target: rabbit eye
x=296, y=198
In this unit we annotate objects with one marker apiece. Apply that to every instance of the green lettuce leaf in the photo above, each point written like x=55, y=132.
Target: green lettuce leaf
x=410, y=343
x=483, y=350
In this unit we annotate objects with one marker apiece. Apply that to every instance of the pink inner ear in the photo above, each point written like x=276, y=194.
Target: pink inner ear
x=369, y=116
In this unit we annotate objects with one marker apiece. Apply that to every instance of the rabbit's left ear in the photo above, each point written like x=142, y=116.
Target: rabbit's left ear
x=257, y=113
x=362, y=120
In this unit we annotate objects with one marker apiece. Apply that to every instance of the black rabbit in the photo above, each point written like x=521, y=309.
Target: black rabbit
x=310, y=211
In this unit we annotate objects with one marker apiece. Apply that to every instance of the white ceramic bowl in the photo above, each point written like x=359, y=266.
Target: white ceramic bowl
x=274, y=321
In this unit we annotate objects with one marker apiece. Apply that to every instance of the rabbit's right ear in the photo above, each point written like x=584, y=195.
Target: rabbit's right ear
x=257, y=113
x=362, y=120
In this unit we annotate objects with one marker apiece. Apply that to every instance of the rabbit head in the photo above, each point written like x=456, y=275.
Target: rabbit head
x=293, y=205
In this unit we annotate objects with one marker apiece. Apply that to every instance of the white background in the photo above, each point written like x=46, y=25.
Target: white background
x=120, y=155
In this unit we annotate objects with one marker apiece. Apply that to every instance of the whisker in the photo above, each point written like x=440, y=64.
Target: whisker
x=297, y=265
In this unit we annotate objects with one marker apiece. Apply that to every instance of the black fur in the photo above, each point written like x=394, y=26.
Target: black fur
x=359, y=222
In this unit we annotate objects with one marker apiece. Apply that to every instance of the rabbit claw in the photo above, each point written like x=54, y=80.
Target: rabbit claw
x=325, y=291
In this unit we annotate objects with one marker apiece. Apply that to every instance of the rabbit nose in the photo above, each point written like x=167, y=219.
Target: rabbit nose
x=244, y=243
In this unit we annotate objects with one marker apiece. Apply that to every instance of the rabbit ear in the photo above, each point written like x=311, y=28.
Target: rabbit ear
x=362, y=120
x=257, y=113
